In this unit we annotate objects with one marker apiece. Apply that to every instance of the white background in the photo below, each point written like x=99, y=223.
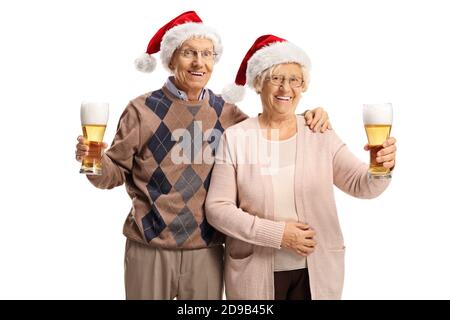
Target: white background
x=61, y=238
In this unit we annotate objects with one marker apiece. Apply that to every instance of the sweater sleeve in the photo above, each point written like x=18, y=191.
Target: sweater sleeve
x=350, y=173
x=223, y=213
x=238, y=115
x=117, y=162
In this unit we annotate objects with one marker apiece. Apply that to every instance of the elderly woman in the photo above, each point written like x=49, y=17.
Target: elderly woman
x=271, y=188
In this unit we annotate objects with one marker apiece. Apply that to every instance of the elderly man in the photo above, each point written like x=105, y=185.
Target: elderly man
x=164, y=153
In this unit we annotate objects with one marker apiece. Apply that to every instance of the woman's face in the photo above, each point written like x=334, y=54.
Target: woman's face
x=282, y=99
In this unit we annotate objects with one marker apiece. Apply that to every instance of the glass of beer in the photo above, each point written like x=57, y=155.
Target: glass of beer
x=94, y=117
x=377, y=122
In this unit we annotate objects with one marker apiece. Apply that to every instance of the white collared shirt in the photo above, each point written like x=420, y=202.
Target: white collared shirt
x=179, y=93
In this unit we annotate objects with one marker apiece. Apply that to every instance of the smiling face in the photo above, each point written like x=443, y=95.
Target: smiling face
x=281, y=100
x=192, y=72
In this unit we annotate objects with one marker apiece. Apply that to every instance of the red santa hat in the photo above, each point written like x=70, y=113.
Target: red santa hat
x=172, y=35
x=267, y=51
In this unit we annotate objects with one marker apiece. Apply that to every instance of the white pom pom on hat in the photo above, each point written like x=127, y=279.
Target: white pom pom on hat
x=172, y=35
x=233, y=93
x=267, y=51
x=145, y=63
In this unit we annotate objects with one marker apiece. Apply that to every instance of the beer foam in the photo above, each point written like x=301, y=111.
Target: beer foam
x=377, y=113
x=94, y=113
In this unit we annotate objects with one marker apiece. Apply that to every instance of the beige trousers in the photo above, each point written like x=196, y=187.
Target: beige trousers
x=161, y=274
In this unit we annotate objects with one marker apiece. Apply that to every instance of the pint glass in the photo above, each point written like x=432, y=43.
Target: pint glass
x=94, y=117
x=377, y=123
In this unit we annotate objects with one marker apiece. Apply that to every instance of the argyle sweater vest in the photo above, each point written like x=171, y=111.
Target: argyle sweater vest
x=163, y=152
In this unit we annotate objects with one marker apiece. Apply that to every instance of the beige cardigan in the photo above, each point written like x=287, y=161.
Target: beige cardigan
x=240, y=204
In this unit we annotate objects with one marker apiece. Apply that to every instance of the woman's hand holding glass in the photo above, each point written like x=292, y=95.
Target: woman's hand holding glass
x=387, y=154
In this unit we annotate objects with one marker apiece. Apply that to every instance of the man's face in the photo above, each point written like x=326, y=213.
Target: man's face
x=192, y=64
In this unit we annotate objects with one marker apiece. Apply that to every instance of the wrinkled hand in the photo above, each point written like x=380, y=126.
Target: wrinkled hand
x=299, y=238
x=317, y=119
x=387, y=154
x=82, y=148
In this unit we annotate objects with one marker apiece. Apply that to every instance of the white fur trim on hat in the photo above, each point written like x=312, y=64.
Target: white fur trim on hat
x=175, y=37
x=233, y=93
x=273, y=54
x=145, y=63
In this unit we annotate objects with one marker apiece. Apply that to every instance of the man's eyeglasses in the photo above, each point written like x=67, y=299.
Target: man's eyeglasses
x=191, y=54
x=294, y=82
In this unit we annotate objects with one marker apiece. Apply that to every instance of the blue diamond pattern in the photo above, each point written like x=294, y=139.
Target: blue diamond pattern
x=161, y=142
x=183, y=226
x=193, y=110
x=196, y=135
x=158, y=184
x=207, y=231
x=214, y=138
x=158, y=103
x=188, y=183
x=216, y=102
x=219, y=127
x=153, y=224
x=207, y=181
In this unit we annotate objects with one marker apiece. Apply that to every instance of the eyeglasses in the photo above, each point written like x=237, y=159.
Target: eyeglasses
x=294, y=82
x=191, y=54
